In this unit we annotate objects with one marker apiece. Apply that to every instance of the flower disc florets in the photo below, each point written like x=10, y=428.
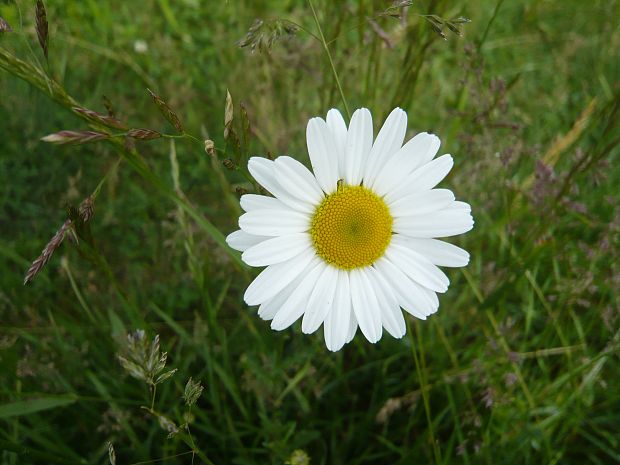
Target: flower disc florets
x=351, y=228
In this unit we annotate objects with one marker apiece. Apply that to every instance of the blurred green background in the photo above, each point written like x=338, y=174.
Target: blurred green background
x=520, y=365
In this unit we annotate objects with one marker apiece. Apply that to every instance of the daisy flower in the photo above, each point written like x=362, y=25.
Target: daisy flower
x=353, y=242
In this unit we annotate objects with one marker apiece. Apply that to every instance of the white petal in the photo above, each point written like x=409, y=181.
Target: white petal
x=338, y=128
x=263, y=170
x=438, y=252
x=240, y=240
x=391, y=314
x=359, y=143
x=352, y=327
x=336, y=324
x=431, y=297
x=459, y=206
x=420, y=203
x=276, y=277
x=274, y=222
x=277, y=249
x=416, y=152
x=444, y=223
x=424, y=178
x=365, y=305
x=389, y=140
x=417, y=267
x=410, y=295
x=269, y=308
x=432, y=173
x=260, y=202
x=297, y=180
x=295, y=305
x=324, y=155
x=321, y=300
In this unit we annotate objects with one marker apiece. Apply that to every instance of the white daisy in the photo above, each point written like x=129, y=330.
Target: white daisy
x=353, y=243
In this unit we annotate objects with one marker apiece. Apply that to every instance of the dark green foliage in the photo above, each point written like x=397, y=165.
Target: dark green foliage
x=520, y=364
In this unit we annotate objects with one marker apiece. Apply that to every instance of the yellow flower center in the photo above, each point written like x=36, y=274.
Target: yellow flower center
x=351, y=228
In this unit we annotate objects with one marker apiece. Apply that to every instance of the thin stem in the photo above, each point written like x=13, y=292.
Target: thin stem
x=153, y=392
x=307, y=31
x=162, y=459
x=331, y=61
x=489, y=24
x=105, y=178
x=191, y=438
x=189, y=136
x=65, y=266
x=423, y=388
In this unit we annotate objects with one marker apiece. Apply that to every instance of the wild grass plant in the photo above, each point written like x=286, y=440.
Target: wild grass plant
x=125, y=129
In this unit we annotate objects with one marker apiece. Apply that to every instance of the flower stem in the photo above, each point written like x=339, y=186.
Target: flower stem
x=331, y=61
x=153, y=393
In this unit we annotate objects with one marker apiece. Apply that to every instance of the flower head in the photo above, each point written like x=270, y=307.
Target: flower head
x=352, y=243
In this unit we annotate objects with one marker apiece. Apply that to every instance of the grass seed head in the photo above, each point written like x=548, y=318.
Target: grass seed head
x=165, y=110
x=262, y=35
x=95, y=117
x=143, y=134
x=42, y=27
x=143, y=360
x=48, y=251
x=193, y=390
x=74, y=137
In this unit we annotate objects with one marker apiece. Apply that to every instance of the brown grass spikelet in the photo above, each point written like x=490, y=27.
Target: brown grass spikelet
x=86, y=208
x=230, y=135
x=95, y=117
x=143, y=134
x=4, y=26
x=228, y=114
x=42, y=27
x=74, y=137
x=47, y=252
x=165, y=110
x=107, y=103
x=85, y=213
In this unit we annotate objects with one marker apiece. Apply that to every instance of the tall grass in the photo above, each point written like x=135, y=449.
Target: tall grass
x=519, y=365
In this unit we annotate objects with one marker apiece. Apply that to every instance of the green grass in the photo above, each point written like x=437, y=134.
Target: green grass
x=520, y=365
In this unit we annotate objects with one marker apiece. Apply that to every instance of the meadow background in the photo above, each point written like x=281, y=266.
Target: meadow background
x=520, y=365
